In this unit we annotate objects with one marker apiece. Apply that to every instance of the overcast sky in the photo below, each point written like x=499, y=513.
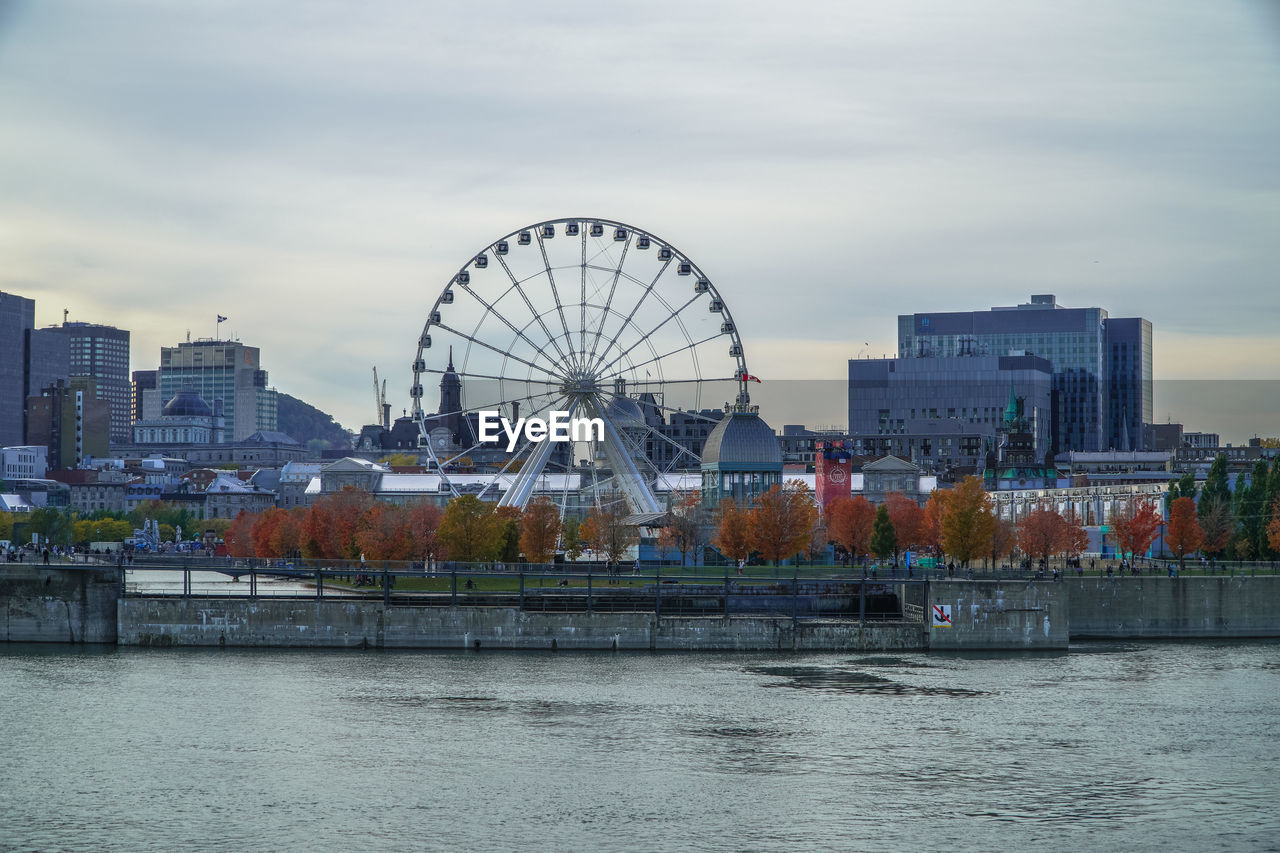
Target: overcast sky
x=317, y=171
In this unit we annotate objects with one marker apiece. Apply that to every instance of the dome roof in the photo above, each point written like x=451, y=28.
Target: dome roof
x=186, y=403
x=625, y=413
x=744, y=442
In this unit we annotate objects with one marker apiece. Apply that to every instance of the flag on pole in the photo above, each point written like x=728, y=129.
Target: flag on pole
x=221, y=319
x=747, y=377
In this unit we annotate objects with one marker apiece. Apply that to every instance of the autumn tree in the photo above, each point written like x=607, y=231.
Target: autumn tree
x=1004, y=536
x=1134, y=526
x=934, y=509
x=330, y=527
x=239, y=536
x=1073, y=539
x=1218, y=526
x=1040, y=533
x=684, y=527
x=909, y=523
x=605, y=533
x=884, y=540
x=849, y=521
x=1273, y=530
x=967, y=519
x=733, y=533
x=424, y=526
x=782, y=520
x=539, y=530
x=470, y=530
x=384, y=533
x=1184, y=535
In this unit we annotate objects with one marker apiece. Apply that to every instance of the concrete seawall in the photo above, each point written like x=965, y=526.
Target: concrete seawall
x=57, y=605
x=1158, y=607
x=1011, y=614
x=338, y=624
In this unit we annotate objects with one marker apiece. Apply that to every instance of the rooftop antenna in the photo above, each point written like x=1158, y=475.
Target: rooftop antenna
x=65, y=312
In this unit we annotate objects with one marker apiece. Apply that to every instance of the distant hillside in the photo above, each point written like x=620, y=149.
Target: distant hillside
x=305, y=423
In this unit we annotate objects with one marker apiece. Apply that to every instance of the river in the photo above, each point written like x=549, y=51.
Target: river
x=1145, y=746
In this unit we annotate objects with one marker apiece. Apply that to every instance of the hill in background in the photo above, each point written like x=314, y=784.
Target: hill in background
x=306, y=424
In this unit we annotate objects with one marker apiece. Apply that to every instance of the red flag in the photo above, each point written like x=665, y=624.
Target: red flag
x=747, y=377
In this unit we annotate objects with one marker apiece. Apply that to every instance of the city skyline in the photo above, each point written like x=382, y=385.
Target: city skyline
x=318, y=180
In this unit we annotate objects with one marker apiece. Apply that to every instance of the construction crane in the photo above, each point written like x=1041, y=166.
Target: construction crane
x=380, y=396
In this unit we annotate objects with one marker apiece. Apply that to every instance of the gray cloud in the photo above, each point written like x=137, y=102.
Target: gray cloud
x=318, y=171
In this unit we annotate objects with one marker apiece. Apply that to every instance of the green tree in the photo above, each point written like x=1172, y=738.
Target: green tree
x=884, y=541
x=470, y=530
x=1184, y=487
x=570, y=539
x=1216, y=490
x=1252, y=509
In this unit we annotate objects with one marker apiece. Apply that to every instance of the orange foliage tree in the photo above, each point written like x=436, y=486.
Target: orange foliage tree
x=239, y=536
x=1004, y=536
x=782, y=520
x=330, y=528
x=539, y=530
x=967, y=519
x=424, y=522
x=849, y=522
x=910, y=524
x=1273, y=529
x=1134, y=526
x=384, y=534
x=933, y=512
x=1218, y=526
x=733, y=534
x=1184, y=534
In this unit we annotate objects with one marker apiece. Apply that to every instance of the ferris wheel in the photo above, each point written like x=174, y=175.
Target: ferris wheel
x=590, y=317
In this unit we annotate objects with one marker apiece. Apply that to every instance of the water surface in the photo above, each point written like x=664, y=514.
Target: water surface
x=1113, y=746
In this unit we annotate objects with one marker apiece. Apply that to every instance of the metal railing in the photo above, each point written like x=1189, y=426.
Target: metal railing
x=583, y=589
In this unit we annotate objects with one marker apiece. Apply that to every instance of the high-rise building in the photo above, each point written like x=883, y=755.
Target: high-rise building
x=101, y=353
x=17, y=316
x=144, y=405
x=30, y=359
x=222, y=370
x=70, y=420
x=1101, y=366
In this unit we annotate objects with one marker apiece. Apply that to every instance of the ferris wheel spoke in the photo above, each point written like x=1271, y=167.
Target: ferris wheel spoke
x=613, y=289
x=491, y=309
x=676, y=410
x=515, y=282
x=582, y=313
x=659, y=358
x=617, y=273
x=465, y=375
x=500, y=352
x=555, y=294
x=648, y=335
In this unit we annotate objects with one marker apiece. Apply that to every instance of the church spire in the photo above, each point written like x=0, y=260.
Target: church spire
x=450, y=367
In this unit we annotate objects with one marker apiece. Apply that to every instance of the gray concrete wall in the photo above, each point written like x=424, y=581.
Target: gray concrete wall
x=1156, y=606
x=338, y=624
x=58, y=605
x=999, y=615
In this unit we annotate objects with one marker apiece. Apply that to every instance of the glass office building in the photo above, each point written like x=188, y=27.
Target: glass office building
x=1101, y=366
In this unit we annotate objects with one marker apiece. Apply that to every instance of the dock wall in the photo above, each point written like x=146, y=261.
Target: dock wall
x=56, y=605
x=1160, y=607
x=999, y=614
x=339, y=624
